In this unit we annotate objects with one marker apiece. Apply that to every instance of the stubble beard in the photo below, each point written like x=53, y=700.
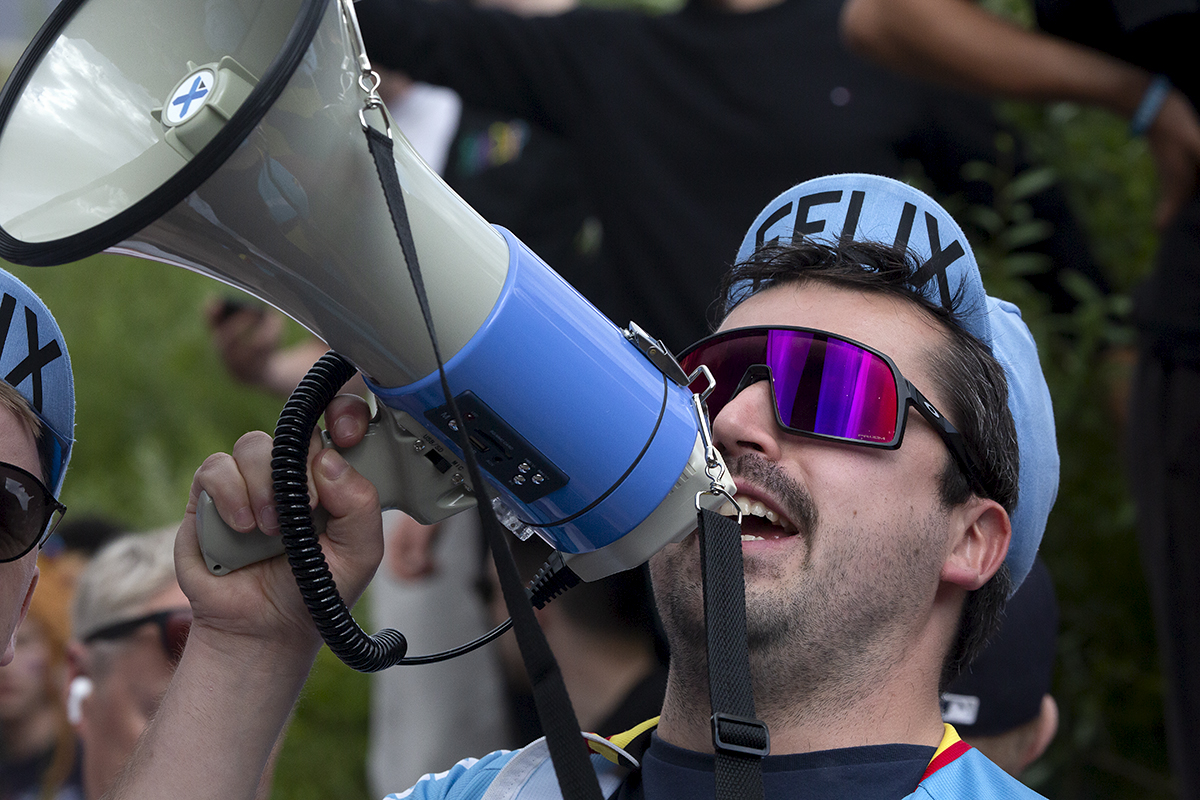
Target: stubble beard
x=817, y=634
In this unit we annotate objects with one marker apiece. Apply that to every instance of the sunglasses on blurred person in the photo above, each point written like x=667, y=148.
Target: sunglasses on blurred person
x=173, y=627
x=28, y=512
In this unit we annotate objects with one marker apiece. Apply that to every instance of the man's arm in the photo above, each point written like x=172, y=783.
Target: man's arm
x=252, y=641
x=492, y=58
x=958, y=43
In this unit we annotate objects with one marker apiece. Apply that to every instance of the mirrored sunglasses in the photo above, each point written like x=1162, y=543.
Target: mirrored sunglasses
x=824, y=386
x=174, y=624
x=28, y=512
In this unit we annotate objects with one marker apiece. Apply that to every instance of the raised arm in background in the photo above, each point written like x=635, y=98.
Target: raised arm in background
x=961, y=44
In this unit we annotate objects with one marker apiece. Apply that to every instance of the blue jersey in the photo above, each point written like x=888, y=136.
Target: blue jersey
x=956, y=771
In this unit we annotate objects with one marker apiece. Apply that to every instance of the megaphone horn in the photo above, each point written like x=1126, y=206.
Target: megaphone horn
x=227, y=138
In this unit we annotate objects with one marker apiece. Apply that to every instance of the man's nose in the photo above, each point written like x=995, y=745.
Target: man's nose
x=747, y=423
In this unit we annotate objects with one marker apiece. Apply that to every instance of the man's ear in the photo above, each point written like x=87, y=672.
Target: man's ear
x=981, y=543
x=76, y=657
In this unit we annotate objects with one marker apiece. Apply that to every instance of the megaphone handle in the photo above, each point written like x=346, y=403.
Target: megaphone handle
x=403, y=474
x=226, y=550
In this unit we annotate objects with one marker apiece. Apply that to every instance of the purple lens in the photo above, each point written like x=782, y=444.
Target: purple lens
x=823, y=385
x=831, y=387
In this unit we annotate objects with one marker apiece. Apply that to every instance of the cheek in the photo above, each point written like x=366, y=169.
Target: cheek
x=671, y=563
x=133, y=691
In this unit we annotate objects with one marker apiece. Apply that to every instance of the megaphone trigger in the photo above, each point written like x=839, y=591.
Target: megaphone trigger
x=409, y=468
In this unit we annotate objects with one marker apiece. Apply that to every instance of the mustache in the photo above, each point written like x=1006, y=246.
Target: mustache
x=795, y=500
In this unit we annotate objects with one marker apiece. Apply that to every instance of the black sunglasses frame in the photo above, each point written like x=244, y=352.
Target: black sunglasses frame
x=161, y=619
x=54, y=510
x=907, y=396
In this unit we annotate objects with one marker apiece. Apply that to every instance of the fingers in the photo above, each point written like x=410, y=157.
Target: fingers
x=353, y=536
x=346, y=419
x=343, y=491
x=240, y=485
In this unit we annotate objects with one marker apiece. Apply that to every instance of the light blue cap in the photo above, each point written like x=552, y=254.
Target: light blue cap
x=34, y=361
x=879, y=209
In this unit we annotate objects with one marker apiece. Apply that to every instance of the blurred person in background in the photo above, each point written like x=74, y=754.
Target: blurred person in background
x=130, y=621
x=75, y=540
x=83, y=535
x=37, y=428
x=1002, y=704
x=682, y=122
x=39, y=758
x=606, y=639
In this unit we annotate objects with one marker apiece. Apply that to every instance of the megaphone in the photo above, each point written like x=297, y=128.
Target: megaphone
x=226, y=137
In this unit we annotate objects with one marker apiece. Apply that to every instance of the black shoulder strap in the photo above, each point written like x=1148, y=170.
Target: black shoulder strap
x=740, y=740
x=576, y=778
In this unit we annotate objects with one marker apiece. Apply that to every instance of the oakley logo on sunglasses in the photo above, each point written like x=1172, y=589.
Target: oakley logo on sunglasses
x=800, y=209
x=31, y=366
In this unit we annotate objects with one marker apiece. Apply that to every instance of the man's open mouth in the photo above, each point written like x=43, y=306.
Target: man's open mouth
x=759, y=522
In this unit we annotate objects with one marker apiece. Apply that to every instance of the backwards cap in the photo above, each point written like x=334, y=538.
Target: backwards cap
x=874, y=208
x=34, y=361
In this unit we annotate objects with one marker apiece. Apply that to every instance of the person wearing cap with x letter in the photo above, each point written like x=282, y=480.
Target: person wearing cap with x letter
x=37, y=429
x=892, y=440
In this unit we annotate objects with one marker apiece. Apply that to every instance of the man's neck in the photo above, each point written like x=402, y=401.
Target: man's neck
x=885, y=716
x=894, y=704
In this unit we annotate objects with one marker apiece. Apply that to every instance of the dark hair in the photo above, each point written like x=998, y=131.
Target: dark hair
x=968, y=376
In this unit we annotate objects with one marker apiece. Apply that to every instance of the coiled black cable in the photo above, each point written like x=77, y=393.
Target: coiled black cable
x=289, y=472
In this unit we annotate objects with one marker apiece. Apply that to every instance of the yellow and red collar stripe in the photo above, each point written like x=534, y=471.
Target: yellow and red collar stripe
x=951, y=747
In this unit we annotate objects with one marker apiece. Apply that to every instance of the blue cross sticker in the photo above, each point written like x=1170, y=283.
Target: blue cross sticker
x=197, y=91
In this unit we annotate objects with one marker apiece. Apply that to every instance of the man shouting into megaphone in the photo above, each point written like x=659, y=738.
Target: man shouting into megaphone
x=891, y=437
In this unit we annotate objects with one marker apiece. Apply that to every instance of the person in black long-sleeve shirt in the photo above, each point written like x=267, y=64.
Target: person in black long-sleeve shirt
x=685, y=122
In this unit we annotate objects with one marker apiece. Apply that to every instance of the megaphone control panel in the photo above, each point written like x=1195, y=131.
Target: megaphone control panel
x=503, y=452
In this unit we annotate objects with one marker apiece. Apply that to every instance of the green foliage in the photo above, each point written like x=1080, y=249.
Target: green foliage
x=152, y=397
x=323, y=755
x=1110, y=741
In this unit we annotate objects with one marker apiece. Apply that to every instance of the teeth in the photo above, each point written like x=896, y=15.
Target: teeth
x=755, y=508
x=748, y=538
